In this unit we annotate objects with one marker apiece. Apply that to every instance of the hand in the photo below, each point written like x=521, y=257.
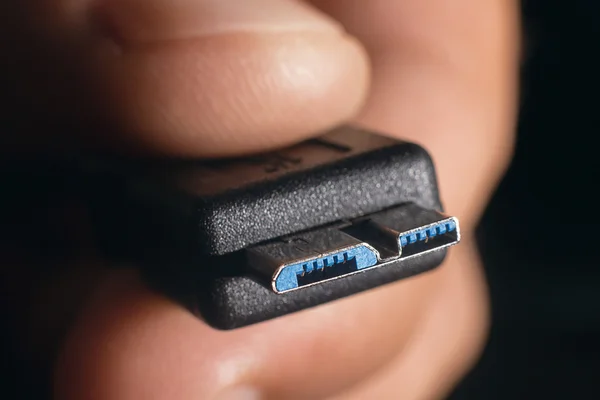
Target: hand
x=213, y=78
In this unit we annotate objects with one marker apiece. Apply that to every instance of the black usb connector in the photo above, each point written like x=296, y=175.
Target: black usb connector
x=245, y=240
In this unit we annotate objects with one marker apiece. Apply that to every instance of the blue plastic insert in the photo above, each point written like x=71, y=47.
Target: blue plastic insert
x=429, y=233
x=356, y=258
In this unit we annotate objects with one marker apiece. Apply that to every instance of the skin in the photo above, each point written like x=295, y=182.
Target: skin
x=442, y=74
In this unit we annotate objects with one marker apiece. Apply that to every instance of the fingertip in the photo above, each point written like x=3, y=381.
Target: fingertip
x=231, y=94
x=191, y=78
x=129, y=343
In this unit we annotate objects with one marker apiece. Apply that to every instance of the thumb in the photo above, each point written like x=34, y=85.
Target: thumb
x=189, y=77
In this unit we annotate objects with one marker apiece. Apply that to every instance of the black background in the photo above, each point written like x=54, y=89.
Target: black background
x=539, y=237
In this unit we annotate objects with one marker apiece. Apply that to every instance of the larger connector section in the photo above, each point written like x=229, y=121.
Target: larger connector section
x=345, y=249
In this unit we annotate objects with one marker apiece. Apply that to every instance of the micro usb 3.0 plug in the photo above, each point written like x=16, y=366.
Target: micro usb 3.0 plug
x=245, y=240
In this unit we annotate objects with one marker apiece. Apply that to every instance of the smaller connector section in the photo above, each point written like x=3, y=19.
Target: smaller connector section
x=428, y=238
x=429, y=233
x=415, y=230
x=310, y=258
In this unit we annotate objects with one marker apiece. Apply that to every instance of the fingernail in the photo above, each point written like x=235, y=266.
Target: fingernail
x=147, y=21
x=240, y=393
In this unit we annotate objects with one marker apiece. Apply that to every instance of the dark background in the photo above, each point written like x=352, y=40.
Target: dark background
x=539, y=235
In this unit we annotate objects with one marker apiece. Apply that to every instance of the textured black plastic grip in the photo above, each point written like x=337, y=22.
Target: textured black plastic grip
x=188, y=223
x=233, y=302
